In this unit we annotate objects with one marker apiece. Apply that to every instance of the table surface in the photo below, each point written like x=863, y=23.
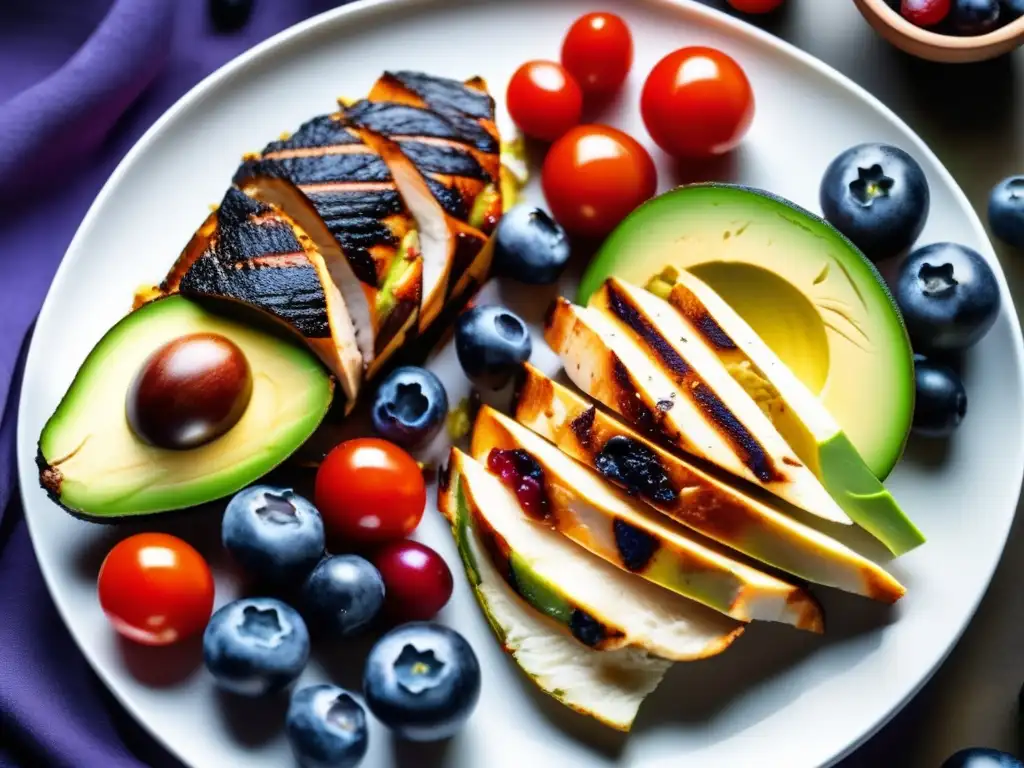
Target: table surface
x=972, y=116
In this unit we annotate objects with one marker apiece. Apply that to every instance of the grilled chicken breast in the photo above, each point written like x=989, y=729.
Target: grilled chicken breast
x=578, y=503
x=688, y=494
x=440, y=141
x=341, y=191
x=607, y=362
x=255, y=254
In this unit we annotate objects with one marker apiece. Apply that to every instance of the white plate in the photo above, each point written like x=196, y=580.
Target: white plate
x=778, y=697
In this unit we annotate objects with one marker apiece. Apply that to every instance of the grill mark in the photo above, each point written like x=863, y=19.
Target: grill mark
x=257, y=260
x=636, y=547
x=749, y=450
x=693, y=309
x=391, y=119
x=629, y=403
x=319, y=131
x=449, y=199
x=319, y=169
x=590, y=631
x=432, y=158
x=445, y=93
x=583, y=425
x=379, y=203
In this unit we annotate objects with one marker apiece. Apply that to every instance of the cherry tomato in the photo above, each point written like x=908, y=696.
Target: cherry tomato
x=544, y=100
x=755, y=6
x=925, y=13
x=598, y=52
x=417, y=581
x=369, y=491
x=697, y=102
x=594, y=176
x=155, y=589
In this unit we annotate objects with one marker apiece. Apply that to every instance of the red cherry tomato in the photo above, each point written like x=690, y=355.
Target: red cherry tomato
x=544, y=100
x=755, y=6
x=369, y=491
x=155, y=589
x=594, y=176
x=417, y=581
x=697, y=102
x=598, y=52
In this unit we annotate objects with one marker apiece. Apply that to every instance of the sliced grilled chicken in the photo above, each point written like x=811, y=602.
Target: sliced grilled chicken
x=460, y=161
x=608, y=685
x=342, y=193
x=255, y=254
x=691, y=496
x=576, y=501
x=445, y=243
x=706, y=418
x=600, y=605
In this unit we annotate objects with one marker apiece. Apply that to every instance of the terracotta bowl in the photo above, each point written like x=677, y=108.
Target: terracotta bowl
x=935, y=47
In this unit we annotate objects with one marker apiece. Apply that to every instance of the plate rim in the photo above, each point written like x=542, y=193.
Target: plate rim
x=351, y=13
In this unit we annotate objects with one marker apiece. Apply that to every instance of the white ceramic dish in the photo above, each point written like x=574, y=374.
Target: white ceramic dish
x=778, y=697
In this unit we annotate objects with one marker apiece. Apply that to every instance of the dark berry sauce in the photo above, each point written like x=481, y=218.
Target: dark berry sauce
x=520, y=471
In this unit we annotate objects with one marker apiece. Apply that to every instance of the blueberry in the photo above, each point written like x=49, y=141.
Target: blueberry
x=530, y=246
x=940, y=401
x=973, y=17
x=410, y=407
x=1006, y=210
x=343, y=594
x=491, y=343
x=981, y=757
x=230, y=15
x=422, y=680
x=877, y=196
x=948, y=295
x=276, y=535
x=326, y=727
x=255, y=646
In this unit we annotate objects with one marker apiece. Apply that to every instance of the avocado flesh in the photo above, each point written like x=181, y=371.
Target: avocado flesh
x=599, y=604
x=93, y=464
x=800, y=417
x=689, y=495
x=608, y=686
x=704, y=413
x=637, y=539
x=804, y=289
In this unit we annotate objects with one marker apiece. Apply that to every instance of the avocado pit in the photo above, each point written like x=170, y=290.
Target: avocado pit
x=189, y=392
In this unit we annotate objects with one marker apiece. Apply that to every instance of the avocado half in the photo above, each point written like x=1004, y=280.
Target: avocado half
x=92, y=463
x=817, y=302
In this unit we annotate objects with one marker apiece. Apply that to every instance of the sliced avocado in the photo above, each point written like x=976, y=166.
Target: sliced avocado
x=93, y=464
x=599, y=604
x=691, y=496
x=637, y=539
x=691, y=403
x=800, y=417
x=608, y=686
x=404, y=263
x=804, y=288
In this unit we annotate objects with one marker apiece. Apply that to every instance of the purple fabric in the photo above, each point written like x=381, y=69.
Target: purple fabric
x=80, y=81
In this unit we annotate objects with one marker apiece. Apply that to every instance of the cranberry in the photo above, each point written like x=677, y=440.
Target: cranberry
x=417, y=581
x=925, y=13
x=521, y=472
